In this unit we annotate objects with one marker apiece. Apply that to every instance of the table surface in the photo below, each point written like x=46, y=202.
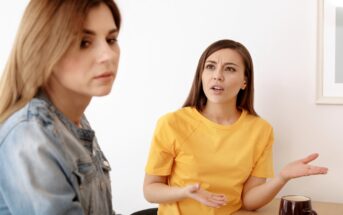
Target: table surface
x=322, y=208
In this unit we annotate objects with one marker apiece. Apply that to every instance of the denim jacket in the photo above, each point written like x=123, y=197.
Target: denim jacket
x=49, y=166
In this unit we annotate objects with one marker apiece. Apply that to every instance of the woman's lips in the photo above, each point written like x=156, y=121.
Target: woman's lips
x=104, y=75
x=217, y=88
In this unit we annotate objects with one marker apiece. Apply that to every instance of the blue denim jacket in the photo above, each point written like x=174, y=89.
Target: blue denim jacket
x=49, y=166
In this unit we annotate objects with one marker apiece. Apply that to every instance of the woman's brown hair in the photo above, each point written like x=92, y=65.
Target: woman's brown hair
x=245, y=98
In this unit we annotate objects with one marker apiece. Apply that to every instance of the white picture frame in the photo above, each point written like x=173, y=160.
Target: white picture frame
x=329, y=91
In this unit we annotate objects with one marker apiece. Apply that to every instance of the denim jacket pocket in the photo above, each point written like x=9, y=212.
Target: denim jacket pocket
x=105, y=181
x=85, y=171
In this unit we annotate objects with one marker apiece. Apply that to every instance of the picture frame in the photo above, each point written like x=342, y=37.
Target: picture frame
x=329, y=49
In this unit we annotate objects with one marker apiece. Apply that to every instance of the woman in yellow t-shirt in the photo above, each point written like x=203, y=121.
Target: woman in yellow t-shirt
x=213, y=156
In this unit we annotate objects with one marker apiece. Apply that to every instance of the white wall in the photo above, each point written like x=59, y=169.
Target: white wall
x=161, y=42
x=339, y=45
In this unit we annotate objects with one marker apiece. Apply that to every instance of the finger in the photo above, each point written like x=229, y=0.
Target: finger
x=210, y=203
x=219, y=197
x=215, y=203
x=316, y=170
x=220, y=202
x=310, y=158
x=193, y=188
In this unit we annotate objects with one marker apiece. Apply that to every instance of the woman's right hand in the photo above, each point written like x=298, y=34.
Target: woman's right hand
x=195, y=192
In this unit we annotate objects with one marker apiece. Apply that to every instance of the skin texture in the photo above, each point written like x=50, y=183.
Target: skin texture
x=223, y=77
x=89, y=66
x=257, y=192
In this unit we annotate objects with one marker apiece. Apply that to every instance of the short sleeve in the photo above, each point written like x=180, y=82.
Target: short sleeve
x=264, y=165
x=162, y=153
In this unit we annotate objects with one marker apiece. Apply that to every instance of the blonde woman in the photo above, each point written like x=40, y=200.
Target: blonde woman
x=213, y=156
x=65, y=53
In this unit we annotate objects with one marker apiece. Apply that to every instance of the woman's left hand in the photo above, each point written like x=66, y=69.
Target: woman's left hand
x=301, y=168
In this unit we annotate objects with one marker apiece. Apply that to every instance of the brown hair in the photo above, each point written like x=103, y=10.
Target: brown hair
x=47, y=30
x=245, y=98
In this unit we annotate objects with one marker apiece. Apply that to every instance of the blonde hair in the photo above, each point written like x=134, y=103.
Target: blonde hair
x=47, y=30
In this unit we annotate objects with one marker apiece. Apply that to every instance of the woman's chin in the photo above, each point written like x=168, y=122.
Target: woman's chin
x=103, y=92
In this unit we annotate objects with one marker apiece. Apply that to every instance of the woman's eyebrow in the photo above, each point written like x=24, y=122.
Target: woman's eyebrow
x=227, y=63
x=231, y=64
x=211, y=61
x=87, y=31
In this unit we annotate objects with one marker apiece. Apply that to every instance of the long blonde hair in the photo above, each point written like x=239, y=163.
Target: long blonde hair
x=47, y=30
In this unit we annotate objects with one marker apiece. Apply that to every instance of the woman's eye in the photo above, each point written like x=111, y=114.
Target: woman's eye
x=112, y=40
x=85, y=44
x=210, y=66
x=230, y=69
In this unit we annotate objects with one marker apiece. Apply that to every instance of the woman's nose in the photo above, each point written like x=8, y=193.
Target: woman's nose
x=107, y=53
x=218, y=75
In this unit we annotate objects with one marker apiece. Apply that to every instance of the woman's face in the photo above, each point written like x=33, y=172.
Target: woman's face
x=90, y=65
x=223, y=77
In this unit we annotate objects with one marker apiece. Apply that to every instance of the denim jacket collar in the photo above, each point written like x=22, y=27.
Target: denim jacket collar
x=85, y=133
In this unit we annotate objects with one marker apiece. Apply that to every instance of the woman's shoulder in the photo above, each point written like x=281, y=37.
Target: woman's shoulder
x=27, y=134
x=36, y=114
x=257, y=121
x=178, y=124
x=184, y=114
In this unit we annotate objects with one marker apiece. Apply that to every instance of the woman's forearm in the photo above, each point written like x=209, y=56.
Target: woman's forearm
x=163, y=193
x=260, y=195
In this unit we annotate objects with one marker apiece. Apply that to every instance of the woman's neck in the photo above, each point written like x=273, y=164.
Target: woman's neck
x=70, y=104
x=221, y=114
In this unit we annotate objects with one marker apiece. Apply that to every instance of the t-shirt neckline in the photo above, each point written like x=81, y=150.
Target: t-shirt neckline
x=216, y=125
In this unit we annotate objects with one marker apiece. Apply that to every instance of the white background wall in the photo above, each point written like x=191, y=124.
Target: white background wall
x=339, y=45
x=161, y=42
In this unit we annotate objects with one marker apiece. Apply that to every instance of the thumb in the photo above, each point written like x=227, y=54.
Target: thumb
x=310, y=158
x=193, y=188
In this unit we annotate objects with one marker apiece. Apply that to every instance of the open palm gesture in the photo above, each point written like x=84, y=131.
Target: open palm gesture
x=301, y=168
x=203, y=196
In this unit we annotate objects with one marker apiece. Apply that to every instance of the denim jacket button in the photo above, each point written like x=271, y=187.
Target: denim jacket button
x=106, y=164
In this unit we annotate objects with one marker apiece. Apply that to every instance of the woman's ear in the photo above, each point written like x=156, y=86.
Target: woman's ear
x=244, y=84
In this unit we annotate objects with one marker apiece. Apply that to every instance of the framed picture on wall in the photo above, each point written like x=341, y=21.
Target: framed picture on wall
x=330, y=52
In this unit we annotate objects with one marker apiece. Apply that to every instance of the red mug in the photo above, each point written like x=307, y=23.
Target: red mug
x=296, y=205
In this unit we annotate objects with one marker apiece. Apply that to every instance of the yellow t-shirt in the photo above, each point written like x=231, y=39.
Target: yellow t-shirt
x=190, y=149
